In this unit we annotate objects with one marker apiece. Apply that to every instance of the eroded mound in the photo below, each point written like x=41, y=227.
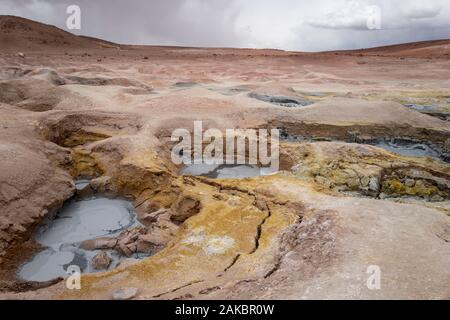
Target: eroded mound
x=367, y=170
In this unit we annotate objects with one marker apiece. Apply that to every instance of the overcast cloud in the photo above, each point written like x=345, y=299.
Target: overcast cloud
x=285, y=24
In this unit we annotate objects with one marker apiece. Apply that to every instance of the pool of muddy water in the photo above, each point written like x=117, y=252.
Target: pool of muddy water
x=225, y=171
x=407, y=148
x=75, y=222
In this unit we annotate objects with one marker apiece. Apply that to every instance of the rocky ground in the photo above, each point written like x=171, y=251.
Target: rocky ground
x=85, y=108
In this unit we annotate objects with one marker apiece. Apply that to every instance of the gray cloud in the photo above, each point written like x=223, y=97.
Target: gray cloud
x=424, y=11
x=348, y=15
x=285, y=24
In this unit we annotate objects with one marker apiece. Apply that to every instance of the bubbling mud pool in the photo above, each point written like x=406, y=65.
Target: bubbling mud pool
x=225, y=171
x=77, y=221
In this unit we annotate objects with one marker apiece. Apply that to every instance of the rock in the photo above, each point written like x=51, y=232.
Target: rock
x=437, y=198
x=374, y=184
x=383, y=196
x=100, y=184
x=132, y=247
x=156, y=236
x=21, y=54
x=125, y=250
x=101, y=261
x=99, y=243
x=127, y=241
x=146, y=247
x=125, y=293
x=185, y=208
x=85, y=192
x=152, y=217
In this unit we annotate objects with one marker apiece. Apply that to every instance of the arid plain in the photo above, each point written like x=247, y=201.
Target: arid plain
x=364, y=174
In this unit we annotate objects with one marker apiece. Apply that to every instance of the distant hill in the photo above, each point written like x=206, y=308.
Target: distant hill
x=19, y=34
x=422, y=49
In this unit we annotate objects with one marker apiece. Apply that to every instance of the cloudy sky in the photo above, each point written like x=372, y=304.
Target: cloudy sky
x=304, y=25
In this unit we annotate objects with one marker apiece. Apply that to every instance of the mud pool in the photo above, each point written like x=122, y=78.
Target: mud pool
x=282, y=101
x=407, y=148
x=75, y=222
x=225, y=171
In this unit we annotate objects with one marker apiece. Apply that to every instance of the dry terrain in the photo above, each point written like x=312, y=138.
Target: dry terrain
x=74, y=107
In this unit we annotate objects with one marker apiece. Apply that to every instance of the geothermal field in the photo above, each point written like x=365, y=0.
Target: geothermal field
x=87, y=180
